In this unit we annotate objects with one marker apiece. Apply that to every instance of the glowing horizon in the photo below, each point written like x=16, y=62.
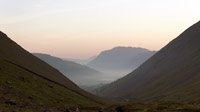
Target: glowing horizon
x=81, y=29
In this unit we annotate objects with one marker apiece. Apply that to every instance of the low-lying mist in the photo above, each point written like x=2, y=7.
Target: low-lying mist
x=94, y=82
x=95, y=72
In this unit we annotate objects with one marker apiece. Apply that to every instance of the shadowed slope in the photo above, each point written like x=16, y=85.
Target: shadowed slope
x=12, y=52
x=171, y=74
x=25, y=90
x=27, y=83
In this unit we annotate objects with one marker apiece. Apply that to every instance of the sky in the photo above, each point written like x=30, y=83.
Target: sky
x=84, y=28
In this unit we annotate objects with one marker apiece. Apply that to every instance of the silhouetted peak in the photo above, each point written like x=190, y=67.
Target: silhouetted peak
x=198, y=22
x=2, y=34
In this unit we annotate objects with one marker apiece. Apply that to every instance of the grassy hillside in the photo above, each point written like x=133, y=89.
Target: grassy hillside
x=78, y=73
x=9, y=50
x=24, y=90
x=28, y=84
x=171, y=74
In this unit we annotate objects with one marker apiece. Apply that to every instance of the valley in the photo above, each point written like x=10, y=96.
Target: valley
x=167, y=81
x=99, y=56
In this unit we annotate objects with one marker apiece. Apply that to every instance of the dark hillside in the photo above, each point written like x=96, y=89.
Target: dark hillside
x=29, y=84
x=12, y=52
x=171, y=74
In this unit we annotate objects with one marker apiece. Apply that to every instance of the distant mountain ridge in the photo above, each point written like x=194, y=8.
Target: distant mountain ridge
x=121, y=58
x=76, y=72
x=171, y=74
x=80, y=61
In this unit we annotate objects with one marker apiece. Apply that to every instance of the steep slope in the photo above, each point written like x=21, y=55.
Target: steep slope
x=171, y=74
x=29, y=84
x=11, y=52
x=120, y=58
x=75, y=72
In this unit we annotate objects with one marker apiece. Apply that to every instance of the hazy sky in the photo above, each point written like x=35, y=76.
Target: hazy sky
x=83, y=28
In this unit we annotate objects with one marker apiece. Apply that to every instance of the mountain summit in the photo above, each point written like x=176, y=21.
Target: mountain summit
x=120, y=58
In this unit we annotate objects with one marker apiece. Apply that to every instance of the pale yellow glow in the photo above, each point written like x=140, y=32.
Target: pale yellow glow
x=81, y=32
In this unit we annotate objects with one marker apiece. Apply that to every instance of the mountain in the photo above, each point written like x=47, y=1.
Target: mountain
x=80, y=74
x=120, y=58
x=81, y=61
x=119, y=61
x=173, y=73
x=29, y=84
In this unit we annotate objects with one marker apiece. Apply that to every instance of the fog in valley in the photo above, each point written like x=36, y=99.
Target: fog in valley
x=97, y=71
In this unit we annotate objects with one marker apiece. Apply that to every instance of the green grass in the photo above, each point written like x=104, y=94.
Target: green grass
x=24, y=87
